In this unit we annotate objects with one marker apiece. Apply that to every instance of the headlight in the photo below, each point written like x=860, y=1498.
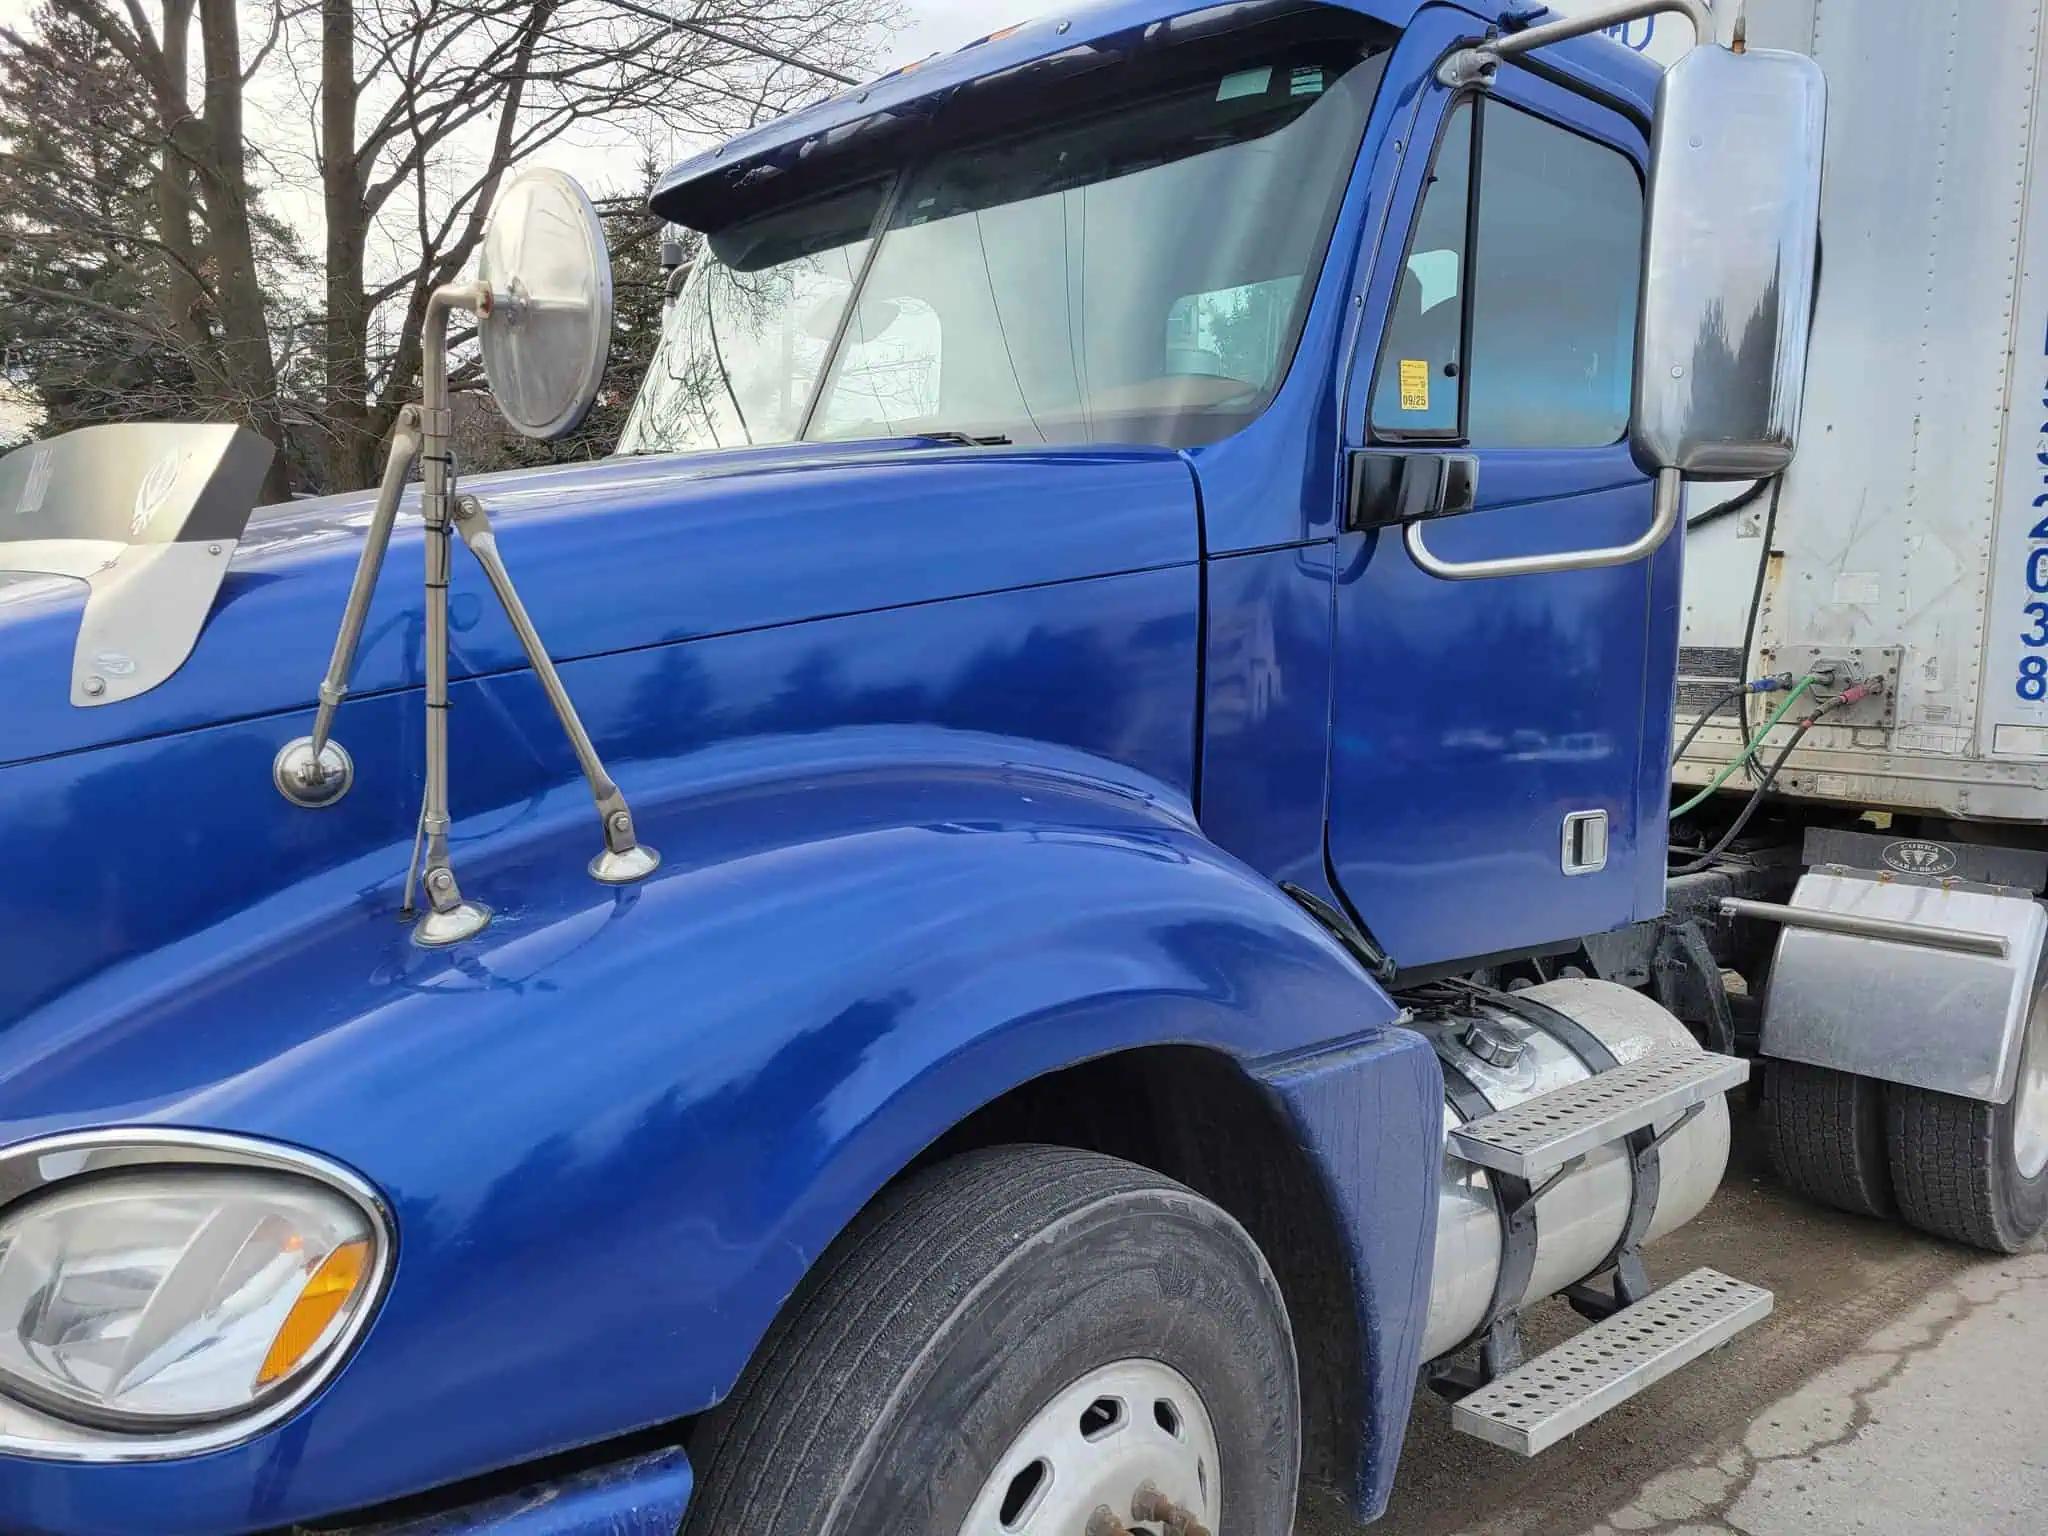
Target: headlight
x=161, y=1298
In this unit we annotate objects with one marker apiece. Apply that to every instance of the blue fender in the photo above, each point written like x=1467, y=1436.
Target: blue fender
x=617, y=1129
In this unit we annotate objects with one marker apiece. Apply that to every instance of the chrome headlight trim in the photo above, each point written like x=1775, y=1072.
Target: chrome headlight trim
x=32, y=1167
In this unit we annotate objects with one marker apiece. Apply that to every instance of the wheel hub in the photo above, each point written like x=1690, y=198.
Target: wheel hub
x=1127, y=1447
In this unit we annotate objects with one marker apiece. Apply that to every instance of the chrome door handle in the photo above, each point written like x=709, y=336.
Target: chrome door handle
x=1664, y=517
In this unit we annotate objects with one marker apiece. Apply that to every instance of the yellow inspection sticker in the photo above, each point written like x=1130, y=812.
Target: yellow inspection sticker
x=1414, y=384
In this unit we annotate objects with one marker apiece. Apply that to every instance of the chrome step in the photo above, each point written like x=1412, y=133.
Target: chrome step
x=1539, y=1135
x=1537, y=1404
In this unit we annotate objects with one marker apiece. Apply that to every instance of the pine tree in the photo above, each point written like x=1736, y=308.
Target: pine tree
x=87, y=321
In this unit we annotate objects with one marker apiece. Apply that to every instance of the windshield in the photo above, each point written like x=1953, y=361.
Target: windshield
x=1137, y=275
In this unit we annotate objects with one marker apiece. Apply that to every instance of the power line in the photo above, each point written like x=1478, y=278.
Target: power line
x=760, y=49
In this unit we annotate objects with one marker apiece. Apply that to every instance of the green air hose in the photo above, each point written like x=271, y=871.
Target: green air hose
x=1798, y=691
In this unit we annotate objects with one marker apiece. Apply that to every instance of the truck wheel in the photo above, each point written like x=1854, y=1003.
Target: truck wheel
x=1973, y=1172
x=1828, y=1136
x=1001, y=1345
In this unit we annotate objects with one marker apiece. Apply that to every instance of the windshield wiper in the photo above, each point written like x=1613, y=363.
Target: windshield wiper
x=965, y=439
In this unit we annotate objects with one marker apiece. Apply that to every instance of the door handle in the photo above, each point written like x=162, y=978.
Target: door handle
x=1667, y=499
x=1398, y=489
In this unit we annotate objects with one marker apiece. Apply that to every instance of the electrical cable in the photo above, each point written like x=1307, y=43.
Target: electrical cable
x=1798, y=691
x=1721, y=701
x=1756, y=598
x=1731, y=506
x=1756, y=796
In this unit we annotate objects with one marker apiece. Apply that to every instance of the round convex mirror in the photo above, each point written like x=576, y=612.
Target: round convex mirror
x=549, y=329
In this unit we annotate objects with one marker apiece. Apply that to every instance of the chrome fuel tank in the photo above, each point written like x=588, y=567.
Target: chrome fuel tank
x=1580, y=1218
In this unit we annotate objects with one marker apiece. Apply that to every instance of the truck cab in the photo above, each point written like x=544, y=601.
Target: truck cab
x=1132, y=620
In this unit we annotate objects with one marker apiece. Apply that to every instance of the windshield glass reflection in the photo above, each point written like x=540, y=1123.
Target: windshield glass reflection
x=1139, y=274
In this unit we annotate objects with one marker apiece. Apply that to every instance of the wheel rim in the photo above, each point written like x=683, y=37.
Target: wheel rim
x=2030, y=1100
x=1124, y=1432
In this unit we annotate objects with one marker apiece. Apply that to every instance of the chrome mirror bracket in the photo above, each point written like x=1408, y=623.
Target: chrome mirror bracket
x=625, y=859
x=314, y=771
x=1478, y=64
x=312, y=775
x=520, y=356
x=1467, y=66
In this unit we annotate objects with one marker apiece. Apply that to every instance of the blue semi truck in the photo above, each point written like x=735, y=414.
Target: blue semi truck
x=996, y=971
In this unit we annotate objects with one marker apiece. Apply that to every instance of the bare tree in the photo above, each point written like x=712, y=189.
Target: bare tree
x=206, y=222
x=426, y=106
x=418, y=111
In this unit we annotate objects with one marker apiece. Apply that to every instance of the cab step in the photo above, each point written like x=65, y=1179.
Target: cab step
x=1534, y=1406
x=1540, y=1135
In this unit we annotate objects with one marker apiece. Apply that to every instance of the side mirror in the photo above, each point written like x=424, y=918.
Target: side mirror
x=1729, y=252
x=1729, y=263
x=547, y=330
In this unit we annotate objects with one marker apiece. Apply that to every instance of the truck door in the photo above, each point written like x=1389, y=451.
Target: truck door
x=1497, y=757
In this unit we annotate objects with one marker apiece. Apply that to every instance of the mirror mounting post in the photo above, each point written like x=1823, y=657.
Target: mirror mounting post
x=543, y=307
x=449, y=919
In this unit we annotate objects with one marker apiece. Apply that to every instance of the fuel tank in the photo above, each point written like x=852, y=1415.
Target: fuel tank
x=1580, y=1218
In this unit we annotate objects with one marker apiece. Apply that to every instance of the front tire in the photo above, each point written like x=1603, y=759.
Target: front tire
x=1972, y=1172
x=927, y=1371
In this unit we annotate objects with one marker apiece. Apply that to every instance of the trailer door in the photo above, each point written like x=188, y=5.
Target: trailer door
x=1497, y=769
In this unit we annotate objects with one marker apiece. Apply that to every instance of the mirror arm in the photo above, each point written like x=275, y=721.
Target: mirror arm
x=1476, y=65
x=1667, y=499
x=316, y=770
x=625, y=859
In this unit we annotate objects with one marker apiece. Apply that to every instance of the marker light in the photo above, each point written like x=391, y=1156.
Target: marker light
x=161, y=1298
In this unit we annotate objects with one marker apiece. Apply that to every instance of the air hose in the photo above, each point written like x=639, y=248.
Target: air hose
x=1798, y=692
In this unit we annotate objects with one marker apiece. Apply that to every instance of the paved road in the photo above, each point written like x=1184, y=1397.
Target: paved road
x=1899, y=1389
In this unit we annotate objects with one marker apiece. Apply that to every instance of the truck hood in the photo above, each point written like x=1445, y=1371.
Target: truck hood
x=611, y=556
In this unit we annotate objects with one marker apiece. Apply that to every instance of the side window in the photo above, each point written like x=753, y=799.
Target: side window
x=1417, y=391
x=1538, y=247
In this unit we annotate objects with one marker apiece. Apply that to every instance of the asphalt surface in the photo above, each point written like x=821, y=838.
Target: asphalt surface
x=1899, y=1388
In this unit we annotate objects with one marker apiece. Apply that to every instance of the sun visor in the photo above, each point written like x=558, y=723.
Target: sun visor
x=147, y=515
x=1020, y=73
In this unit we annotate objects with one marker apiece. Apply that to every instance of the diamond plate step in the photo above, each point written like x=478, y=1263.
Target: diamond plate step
x=1536, y=1405
x=1541, y=1134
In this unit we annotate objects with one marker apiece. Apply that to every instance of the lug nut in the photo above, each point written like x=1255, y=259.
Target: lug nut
x=1148, y=1503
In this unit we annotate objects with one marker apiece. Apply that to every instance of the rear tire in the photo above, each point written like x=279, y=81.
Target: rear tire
x=1954, y=1167
x=1828, y=1136
x=904, y=1383
x=1972, y=1172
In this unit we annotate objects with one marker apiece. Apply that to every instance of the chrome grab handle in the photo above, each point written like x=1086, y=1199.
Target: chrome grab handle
x=1926, y=935
x=1668, y=498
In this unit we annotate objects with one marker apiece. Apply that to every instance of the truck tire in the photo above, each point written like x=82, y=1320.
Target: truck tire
x=1828, y=1136
x=1003, y=1342
x=1972, y=1172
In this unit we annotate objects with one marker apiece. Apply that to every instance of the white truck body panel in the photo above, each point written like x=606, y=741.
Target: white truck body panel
x=1916, y=513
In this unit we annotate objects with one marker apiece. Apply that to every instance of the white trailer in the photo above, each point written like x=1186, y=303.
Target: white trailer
x=1901, y=840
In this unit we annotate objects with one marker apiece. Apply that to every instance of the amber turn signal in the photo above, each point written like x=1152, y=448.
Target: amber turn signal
x=326, y=1293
